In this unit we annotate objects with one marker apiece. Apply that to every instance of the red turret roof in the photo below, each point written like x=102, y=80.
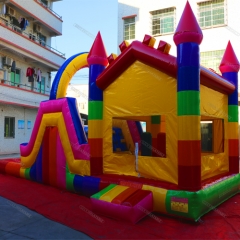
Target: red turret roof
x=229, y=61
x=188, y=29
x=97, y=54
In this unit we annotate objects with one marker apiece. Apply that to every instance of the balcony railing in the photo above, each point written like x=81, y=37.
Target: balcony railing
x=30, y=36
x=25, y=87
x=45, y=6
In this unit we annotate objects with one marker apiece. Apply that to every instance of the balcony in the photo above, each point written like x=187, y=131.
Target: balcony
x=49, y=9
x=21, y=94
x=29, y=46
x=39, y=13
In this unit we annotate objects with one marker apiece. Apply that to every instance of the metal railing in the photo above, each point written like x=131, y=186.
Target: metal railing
x=24, y=86
x=45, y=6
x=31, y=36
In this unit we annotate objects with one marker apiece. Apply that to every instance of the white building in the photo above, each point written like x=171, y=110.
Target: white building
x=26, y=62
x=80, y=92
x=219, y=20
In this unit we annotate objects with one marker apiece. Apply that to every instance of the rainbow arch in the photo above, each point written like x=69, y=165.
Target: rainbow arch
x=65, y=74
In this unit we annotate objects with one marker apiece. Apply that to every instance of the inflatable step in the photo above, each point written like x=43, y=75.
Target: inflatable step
x=123, y=203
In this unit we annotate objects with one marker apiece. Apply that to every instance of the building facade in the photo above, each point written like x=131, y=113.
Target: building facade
x=26, y=62
x=218, y=20
x=80, y=92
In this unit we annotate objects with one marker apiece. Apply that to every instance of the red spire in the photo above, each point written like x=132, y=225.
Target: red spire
x=229, y=61
x=188, y=29
x=97, y=54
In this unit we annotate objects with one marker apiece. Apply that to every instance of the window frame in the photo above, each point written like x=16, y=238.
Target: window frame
x=11, y=132
x=129, y=24
x=81, y=105
x=163, y=15
x=13, y=77
x=42, y=39
x=211, y=2
x=41, y=85
x=121, y=142
x=209, y=135
x=45, y=2
x=215, y=57
x=215, y=137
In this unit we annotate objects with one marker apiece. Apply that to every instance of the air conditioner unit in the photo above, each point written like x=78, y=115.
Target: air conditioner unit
x=7, y=61
x=37, y=28
x=11, y=11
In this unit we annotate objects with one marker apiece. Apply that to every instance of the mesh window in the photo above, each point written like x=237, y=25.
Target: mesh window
x=212, y=59
x=9, y=127
x=129, y=28
x=211, y=13
x=163, y=21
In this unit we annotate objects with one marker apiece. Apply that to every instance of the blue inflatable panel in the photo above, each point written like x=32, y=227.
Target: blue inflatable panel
x=188, y=78
x=33, y=172
x=24, y=144
x=233, y=78
x=139, y=127
x=90, y=186
x=95, y=93
x=76, y=121
x=39, y=166
x=118, y=140
x=77, y=183
x=189, y=53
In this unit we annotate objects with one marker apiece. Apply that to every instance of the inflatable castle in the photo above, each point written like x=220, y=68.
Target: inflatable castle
x=127, y=171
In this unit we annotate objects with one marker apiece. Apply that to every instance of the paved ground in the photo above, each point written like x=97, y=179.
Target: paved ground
x=13, y=155
x=18, y=222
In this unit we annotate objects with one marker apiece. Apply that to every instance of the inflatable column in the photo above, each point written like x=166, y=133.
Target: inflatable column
x=188, y=37
x=229, y=68
x=97, y=61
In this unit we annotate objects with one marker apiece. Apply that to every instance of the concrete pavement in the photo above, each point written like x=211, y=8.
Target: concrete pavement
x=18, y=222
x=6, y=156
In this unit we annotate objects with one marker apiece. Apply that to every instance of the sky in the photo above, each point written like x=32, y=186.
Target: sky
x=82, y=20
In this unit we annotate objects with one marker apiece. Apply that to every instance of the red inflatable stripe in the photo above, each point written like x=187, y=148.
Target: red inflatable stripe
x=124, y=195
x=135, y=198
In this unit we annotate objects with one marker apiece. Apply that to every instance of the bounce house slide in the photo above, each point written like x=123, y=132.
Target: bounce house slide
x=176, y=176
x=58, y=119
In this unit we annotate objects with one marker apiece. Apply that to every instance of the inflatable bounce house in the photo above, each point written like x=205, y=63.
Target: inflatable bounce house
x=184, y=161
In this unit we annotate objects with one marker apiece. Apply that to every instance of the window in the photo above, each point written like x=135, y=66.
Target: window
x=147, y=131
x=21, y=124
x=206, y=136
x=163, y=21
x=29, y=124
x=212, y=59
x=41, y=85
x=15, y=77
x=81, y=105
x=212, y=13
x=45, y=2
x=9, y=127
x=42, y=39
x=16, y=25
x=212, y=135
x=129, y=28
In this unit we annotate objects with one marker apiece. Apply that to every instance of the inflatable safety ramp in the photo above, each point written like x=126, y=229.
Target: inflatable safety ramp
x=57, y=142
x=123, y=203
